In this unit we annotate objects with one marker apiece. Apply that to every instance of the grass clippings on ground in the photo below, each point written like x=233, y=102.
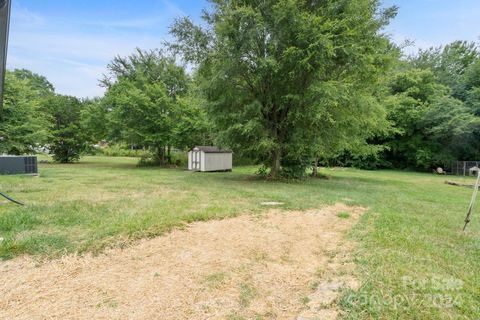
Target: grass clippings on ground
x=210, y=270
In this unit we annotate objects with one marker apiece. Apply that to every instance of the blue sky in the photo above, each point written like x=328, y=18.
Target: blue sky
x=72, y=41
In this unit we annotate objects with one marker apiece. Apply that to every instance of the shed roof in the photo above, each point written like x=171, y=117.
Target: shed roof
x=211, y=149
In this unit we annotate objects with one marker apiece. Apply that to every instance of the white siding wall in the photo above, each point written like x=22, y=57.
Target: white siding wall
x=217, y=162
x=210, y=161
x=202, y=161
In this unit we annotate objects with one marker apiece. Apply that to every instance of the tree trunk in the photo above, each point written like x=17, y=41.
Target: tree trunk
x=315, y=169
x=161, y=155
x=169, y=154
x=276, y=160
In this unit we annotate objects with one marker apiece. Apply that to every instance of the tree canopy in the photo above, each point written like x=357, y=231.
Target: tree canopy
x=149, y=103
x=287, y=84
x=23, y=125
x=286, y=79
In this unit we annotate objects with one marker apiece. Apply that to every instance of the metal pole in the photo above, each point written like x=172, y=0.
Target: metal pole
x=5, y=8
x=472, y=202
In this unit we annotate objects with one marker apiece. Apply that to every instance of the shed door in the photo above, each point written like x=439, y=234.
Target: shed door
x=196, y=160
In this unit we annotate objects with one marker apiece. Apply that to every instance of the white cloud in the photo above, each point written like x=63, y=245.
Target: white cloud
x=23, y=16
x=73, y=55
x=72, y=62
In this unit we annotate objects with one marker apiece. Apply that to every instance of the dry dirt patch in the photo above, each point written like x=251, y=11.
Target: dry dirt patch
x=282, y=265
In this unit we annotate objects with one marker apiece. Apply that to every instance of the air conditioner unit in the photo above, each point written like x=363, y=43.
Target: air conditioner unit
x=18, y=165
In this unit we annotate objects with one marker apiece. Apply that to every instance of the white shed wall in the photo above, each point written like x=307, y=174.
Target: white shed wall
x=202, y=161
x=217, y=162
x=195, y=160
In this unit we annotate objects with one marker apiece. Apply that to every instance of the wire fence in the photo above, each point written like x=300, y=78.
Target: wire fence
x=464, y=168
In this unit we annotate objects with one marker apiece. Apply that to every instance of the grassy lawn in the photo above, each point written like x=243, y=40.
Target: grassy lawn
x=413, y=258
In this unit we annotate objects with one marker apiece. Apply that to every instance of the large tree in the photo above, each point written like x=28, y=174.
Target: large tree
x=287, y=79
x=149, y=103
x=38, y=83
x=23, y=125
x=67, y=138
x=95, y=119
x=449, y=63
x=432, y=127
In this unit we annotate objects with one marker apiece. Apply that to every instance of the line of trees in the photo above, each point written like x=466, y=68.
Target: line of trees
x=150, y=103
x=34, y=116
x=432, y=101
x=287, y=83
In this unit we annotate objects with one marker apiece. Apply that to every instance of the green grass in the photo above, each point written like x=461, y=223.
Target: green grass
x=343, y=215
x=412, y=253
x=215, y=280
x=247, y=294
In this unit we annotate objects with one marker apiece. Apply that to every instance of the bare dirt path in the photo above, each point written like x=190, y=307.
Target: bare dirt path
x=282, y=265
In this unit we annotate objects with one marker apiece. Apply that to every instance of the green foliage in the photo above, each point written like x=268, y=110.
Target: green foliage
x=286, y=80
x=452, y=129
x=67, y=137
x=95, y=120
x=433, y=103
x=120, y=150
x=192, y=126
x=23, y=125
x=432, y=126
x=148, y=104
x=37, y=83
x=470, y=87
x=449, y=63
x=146, y=114
x=368, y=161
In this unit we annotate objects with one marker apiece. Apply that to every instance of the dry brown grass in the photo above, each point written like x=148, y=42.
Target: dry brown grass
x=281, y=265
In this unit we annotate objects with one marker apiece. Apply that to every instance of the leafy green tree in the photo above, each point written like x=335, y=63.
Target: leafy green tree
x=148, y=103
x=147, y=67
x=37, y=82
x=192, y=126
x=145, y=114
x=23, y=125
x=287, y=79
x=67, y=137
x=95, y=119
x=470, y=87
x=432, y=127
x=449, y=63
x=452, y=130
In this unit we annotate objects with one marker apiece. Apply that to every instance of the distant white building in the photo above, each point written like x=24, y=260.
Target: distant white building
x=209, y=158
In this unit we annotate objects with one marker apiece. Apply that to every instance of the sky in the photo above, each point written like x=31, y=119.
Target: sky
x=71, y=41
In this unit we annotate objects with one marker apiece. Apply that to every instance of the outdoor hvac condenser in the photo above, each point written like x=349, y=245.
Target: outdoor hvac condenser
x=18, y=165
x=204, y=158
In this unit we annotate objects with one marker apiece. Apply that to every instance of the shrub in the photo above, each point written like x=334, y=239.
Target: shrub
x=121, y=150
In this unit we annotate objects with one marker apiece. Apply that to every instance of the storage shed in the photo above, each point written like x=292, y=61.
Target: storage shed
x=208, y=158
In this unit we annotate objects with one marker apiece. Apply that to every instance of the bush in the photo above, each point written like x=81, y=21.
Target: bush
x=295, y=167
x=178, y=159
x=366, y=162
x=121, y=150
x=243, y=161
